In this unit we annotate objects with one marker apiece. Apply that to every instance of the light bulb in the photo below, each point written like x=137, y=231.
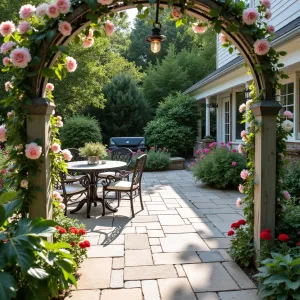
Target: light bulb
x=155, y=46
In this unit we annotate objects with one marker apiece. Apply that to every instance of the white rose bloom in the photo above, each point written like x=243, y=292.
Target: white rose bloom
x=287, y=125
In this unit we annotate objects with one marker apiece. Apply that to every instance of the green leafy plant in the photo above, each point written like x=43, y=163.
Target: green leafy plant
x=291, y=178
x=79, y=130
x=280, y=277
x=241, y=246
x=175, y=120
x=93, y=149
x=157, y=159
x=219, y=167
x=31, y=267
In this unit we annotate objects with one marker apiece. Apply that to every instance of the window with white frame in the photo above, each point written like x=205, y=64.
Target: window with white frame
x=239, y=99
x=287, y=97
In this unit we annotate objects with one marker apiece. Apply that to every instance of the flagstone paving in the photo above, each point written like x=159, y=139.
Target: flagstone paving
x=174, y=249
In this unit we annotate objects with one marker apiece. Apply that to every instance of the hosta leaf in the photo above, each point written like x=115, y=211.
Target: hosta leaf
x=8, y=287
x=38, y=273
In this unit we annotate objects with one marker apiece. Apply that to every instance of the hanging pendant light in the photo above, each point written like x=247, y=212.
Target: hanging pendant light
x=155, y=38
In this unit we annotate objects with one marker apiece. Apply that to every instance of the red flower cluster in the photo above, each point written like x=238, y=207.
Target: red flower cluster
x=238, y=224
x=61, y=230
x=283, y=237
x=84, y=244
x=298, y=244
x=230, y=233
x=82, y=231
x=74, y=230
x=266, y=235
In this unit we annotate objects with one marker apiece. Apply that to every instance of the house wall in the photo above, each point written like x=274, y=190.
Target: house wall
x=283, y=12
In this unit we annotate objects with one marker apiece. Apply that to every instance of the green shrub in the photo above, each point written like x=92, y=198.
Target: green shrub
x=79, y=130
x=290, y=222
x=280, y=277
x=157, y=160
x=175, y=125
x=291, y=179
x=216, y=167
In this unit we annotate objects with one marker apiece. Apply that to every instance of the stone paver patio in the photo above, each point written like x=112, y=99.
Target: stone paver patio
x=175, y=249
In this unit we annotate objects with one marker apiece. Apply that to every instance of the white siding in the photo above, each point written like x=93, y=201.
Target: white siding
x=283, y=12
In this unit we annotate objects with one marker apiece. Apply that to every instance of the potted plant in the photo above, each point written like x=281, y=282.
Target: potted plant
x=94, y=152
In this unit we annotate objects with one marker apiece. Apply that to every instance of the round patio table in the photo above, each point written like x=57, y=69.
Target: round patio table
x=92, y=171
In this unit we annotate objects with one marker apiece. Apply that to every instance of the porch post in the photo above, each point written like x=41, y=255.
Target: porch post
x=265, y=168
x=207, y=121
x=38, y=125
x=246, y=87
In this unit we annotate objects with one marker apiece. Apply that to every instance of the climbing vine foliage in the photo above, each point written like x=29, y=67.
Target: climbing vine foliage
x=21, y=49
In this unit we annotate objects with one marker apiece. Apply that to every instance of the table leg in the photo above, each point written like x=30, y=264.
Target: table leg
x=79, y=206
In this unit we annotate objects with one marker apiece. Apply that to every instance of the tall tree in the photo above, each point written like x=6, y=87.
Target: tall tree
x=126, y=111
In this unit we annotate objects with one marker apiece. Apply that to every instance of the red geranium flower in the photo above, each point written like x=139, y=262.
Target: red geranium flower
x=62, y=230
x=74, y=230
x=235, y=226
x=82, y=245
x=241, y=222
x=267, y=230
x=298, y=244
x=82, y=231
x=265, y=235
x=87, y=243
x=283, y=237
x=57, y=227
x=230, y=233
x=72, y=244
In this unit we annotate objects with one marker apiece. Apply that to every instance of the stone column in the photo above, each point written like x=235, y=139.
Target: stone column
x=207, y=121
x=265, y=168
x=38, y=125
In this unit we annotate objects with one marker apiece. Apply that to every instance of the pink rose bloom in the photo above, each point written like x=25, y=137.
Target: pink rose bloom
x=8, y=86
x=62, y=206
x=71, y=64
x=239, y=202
x=244, y=174
x=243, y=133
x=65, y=28
x=265, y=3
x=50, y=87
x=27, y=11
x=271, y=29
x=24, y=184
x=261, y=47
x=176, y=13
x=199, y=28
x=33, y=151
x=105, y=2
x=24, y=27
x=234, y=151
x=242, y=108
x=91, y=34
x=196, y=160
x=63, y=6
x=206, y=151
x=55, y=148
x=7, y=28
x=202, y=157
x=67, y=154
x=288, y=114
x=60, y=198
x=250, y=16
x=55, y=194
x=241, y=188
x=10, y=114
x=53, y=11
x=286, y=195
x=229, y=144
x=223, y=39
x=42, y=9
x=6, y=47
x=240, y=148
x=87, y=43
x=20, y=57
x=212, y=145
x=59, y=123
x=249, y=103
x=2, y=134
x=233, y=163
x=109, y=28
x=268, y=14
x=59, y=118
x=199, y=151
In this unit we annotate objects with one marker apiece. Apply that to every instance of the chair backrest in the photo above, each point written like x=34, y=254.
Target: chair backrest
x=122, y=154
x=139, y=169
x=76, y=155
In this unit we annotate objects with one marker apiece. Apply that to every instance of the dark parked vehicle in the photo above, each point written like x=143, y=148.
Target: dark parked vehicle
x=133, y=143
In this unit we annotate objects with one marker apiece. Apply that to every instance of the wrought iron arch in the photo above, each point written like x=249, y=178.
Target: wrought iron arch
x=79, y=21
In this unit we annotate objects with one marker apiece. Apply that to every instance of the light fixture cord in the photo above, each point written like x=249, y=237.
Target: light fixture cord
x=157, y=11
